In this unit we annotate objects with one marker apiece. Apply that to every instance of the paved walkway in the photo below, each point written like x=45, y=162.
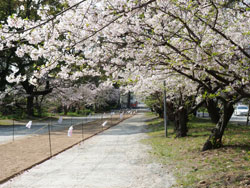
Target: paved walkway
x=114, y=159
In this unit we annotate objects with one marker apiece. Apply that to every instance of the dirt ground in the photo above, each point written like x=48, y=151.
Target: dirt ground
x=24, y=153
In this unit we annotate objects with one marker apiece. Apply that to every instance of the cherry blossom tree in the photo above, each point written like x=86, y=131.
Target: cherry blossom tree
x=182, y=96
x=78, y=96
x=17, y=67
x=205, y=41
x=193, y=39
x=106, y=96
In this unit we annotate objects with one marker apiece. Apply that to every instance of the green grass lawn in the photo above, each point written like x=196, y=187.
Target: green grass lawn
x=24, y=121
x=228, y=166
x=6, y=120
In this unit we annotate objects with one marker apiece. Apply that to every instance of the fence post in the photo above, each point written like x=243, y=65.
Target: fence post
x=248, y=114
x=13, y=134
x=165, y=108
x=49, y=124
x=82, y=130
x=111, y=118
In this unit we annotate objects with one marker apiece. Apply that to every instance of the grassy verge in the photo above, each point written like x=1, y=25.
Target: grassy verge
x=228, y=166
x=24, y=121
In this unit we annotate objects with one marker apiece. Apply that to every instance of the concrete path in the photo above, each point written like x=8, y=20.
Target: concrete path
x=113, y=159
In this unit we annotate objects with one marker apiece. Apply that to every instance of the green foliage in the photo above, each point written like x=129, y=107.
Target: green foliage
x=141, y=16
x=17, y=114
x=84, y=112
x=150, y=102
x=202, y=109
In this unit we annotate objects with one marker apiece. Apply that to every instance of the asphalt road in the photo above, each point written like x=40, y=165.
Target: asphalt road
x=6, y=132
x=235, y=119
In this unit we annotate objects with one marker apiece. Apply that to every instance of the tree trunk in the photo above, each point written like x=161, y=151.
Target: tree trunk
x=213, y=110
x=159, y=110
x=215, y=139
x=181, y=123
x=32, y=92
x=65, y=110
x=30, y=106
x=248, y=114
x=39, y=111
x=38, y=106
x=170, y=111
x=129, y=99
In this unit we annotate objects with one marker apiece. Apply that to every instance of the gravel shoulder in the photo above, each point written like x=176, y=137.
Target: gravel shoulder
x=113, y=159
